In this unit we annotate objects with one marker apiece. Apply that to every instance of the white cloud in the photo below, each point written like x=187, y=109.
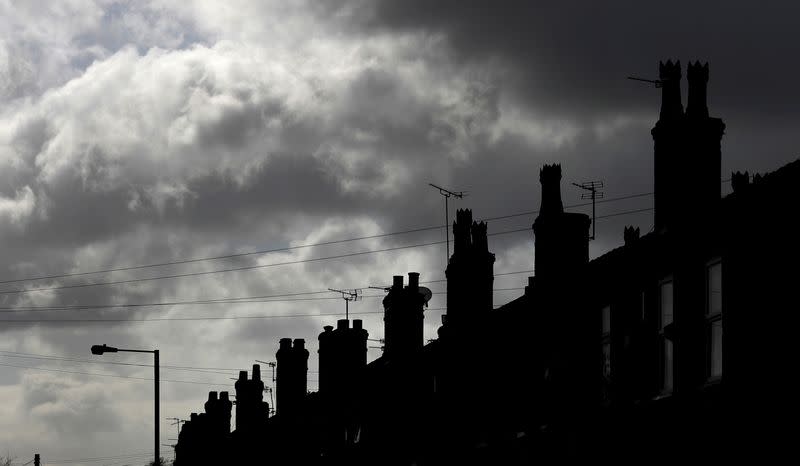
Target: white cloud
x=144, y=132
x=535, y=130
x=18, y=209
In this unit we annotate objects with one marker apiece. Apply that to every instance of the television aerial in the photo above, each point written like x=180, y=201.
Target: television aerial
x=593, y=192
x=348, y=295
x=426, y=293
x=657, y=82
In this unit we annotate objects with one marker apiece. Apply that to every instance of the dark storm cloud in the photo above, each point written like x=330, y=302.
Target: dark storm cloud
x=150, y=132
x=572, y=56
x=567, y=61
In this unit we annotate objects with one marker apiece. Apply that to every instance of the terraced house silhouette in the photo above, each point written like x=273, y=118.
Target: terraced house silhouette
x=671, y=347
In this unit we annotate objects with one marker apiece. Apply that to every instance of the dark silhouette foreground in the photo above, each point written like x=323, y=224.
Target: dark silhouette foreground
x=671, y=347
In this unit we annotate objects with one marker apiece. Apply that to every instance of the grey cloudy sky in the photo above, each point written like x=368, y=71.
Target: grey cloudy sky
x=140, y=132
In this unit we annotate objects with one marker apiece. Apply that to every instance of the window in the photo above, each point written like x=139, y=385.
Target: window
x=606, y=339
x=666, y=315
x=714, y=318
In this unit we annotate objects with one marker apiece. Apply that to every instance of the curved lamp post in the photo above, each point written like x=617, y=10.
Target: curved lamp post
x=100, y=349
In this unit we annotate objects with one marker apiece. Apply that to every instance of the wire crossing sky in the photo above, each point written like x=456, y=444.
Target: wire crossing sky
x=205, y=170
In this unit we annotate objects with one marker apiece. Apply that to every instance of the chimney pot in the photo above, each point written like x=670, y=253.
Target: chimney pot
x=739, y=181
x=224, y=396
x=630, y=235
x=299, y=343
x=256, y=372
x=413, y=280
x=397, y=281
x=242, y=375
x=357, y=324
x=285, y=343
x=327, y=328
x=212, y=396
x=342, y=324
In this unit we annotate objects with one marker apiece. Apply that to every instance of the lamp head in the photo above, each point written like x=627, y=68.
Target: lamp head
x=100, y=349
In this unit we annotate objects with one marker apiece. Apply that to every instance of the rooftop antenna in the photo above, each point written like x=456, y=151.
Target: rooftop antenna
x=348, y=295
x=447, y=194
x=593, y=194
x=657, y=82
x=271, y=401
x=177, y=422
x=272, y=365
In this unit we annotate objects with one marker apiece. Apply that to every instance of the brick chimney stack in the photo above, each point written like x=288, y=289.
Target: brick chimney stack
x=687, y=152
x=562, y=238
x=403, y=317
x=342, y=357
x=291, y=376
x=251, y=409
x=470, y=271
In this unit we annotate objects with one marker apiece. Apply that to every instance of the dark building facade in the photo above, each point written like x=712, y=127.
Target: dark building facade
x=673, y=347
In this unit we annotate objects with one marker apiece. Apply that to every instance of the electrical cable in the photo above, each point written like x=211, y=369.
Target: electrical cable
x=291, y=248
x=275, y=264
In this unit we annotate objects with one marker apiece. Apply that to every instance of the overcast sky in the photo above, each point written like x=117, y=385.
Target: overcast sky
x=143, y=132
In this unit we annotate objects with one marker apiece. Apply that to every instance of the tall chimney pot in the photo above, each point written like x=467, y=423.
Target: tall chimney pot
x=397, y=281
x=413, y=280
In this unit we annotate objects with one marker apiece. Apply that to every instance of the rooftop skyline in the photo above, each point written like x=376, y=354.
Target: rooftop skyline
x=145, y=133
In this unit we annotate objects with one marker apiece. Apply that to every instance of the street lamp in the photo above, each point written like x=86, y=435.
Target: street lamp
x=100, y=349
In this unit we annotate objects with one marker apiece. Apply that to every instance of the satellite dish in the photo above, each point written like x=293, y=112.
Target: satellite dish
x=426, y=293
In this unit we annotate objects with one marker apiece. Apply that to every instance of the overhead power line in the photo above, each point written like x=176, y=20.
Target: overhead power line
x=175, y=303
x=100, y=458
x=292, y=248
x=110, y=375
x=228, y=300
x=232, y=269
x=166, y=319
x=82, y=360
x=124, y=306
x=276, y=264
x=9, y=354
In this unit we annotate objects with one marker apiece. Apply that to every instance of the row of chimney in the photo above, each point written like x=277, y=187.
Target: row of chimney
x=687, y=183
x=343, y=350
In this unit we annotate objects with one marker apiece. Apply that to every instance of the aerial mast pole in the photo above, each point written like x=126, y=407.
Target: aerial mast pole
x=593, y=194
x=348, y=295
x=447, y=194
